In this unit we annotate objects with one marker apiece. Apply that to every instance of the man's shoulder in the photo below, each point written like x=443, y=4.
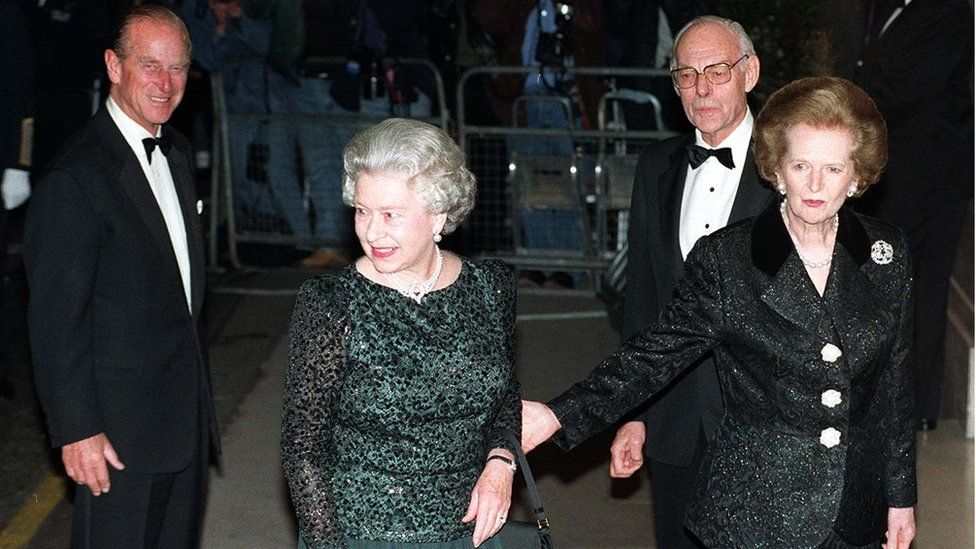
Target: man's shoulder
x=180, y=141
x=657, y=158
x=660, y=152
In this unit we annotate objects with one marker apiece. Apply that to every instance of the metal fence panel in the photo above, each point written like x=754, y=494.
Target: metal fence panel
x=590, y=178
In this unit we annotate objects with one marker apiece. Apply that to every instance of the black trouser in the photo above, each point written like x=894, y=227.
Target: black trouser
x=673, y=488
x=144, y=510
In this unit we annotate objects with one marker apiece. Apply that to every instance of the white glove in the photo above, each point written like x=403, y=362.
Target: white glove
x=15, y=188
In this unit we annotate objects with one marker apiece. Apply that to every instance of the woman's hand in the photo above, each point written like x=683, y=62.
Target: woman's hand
x=538, y=424
x=901, y=528
x=491, y=498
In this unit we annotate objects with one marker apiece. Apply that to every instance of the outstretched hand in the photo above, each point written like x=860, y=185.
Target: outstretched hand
x=538, y=424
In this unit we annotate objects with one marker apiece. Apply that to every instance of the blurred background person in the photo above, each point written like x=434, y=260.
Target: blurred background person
x=16, y=126
x=551, y=35
x=68, y=38
x=287, y=171
x=917, y=65
x=641, y=34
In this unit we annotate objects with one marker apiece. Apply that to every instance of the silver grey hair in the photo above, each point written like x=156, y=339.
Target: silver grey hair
x=429, y=161
x=745, y=43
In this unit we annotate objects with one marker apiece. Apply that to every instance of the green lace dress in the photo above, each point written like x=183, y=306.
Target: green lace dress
x=391, y=406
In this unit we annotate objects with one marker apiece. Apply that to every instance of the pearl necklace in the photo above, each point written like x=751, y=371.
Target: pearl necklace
x=806, y=262
x=418, y=290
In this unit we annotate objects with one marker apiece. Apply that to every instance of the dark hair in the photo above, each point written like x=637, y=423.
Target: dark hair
x=824, y=102
x=122, y=43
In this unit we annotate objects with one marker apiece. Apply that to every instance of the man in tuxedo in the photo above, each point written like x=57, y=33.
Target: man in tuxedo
x=686, y=187
x=917, y=66
x=114, y=258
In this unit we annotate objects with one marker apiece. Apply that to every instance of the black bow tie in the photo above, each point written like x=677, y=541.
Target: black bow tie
x=698, y=155
x=164, y=142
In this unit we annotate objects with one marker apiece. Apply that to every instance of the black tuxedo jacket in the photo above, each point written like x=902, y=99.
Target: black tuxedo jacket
x=919, y=73
x=654, y=266
x=773, y=477
x=115, y=347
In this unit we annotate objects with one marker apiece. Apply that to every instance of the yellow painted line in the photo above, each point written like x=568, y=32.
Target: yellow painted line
x=21, y=529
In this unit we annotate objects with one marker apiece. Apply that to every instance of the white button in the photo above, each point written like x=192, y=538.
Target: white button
x=830, y=437
x=830, y=353
x=830, y=398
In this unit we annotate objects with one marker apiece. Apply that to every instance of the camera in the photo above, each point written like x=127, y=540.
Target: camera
x=553, y=48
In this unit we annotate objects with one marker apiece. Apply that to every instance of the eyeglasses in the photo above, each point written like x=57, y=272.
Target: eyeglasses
x=718, y=73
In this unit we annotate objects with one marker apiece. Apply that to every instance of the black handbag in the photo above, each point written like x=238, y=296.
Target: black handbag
x=526, y=535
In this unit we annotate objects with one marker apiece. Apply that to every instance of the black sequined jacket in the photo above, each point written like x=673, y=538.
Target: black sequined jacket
x=391, y=406
x=817, y=432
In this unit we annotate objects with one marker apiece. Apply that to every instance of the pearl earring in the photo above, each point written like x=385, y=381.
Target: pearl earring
x=781, y=187
x=437, y=237
x=852, y=190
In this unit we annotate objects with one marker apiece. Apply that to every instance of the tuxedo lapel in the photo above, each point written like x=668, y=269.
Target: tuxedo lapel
x=186, y=191
x=133, y=182
x=671, y=187
x=752, y=195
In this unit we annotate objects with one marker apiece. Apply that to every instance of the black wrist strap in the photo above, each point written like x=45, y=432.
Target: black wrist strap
x=541, y=519
x=509, y=462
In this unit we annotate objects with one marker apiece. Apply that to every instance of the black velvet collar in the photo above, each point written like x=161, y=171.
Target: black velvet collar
x=771, y=243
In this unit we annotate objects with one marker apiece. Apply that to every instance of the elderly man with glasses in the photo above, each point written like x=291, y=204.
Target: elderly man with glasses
x=686, y=187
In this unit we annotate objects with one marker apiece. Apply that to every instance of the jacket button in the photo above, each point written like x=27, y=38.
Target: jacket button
x=830, y=353
x=830, y=398
x=830, y=437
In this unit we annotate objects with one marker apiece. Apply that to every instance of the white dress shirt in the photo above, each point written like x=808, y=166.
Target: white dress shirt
x=710, y=189
x=163, y=188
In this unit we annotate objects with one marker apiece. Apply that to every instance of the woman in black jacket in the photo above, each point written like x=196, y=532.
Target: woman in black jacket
x=808, y=310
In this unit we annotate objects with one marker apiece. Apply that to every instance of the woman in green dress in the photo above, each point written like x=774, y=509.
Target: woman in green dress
x=400, y=389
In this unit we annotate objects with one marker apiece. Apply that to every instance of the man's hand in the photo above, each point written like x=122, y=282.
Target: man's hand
x=538, y=424
x=627, y=450
x=490, y=499
x=84, y=461
x=901, y=528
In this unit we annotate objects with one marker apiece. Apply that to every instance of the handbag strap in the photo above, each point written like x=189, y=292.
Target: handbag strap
x=541, y=518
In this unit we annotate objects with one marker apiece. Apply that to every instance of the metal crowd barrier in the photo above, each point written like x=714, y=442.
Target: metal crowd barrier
x=224, y=194
x=594, y=180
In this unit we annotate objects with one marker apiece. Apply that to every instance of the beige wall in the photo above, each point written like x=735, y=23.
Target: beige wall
x=959, y=328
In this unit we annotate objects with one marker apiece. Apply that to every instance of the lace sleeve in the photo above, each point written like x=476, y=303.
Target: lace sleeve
x=312, y=383
x=509, y=419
